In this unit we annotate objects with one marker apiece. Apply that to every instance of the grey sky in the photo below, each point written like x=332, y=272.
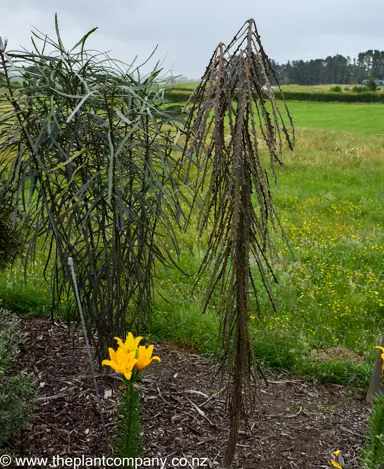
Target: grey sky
x=187, y=32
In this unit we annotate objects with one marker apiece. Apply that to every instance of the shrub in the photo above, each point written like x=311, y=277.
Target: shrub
x=8, y=338
x=335, y=89
x=115, y=230
x=15, y=407
x=10, y=241
x=359, y=89
x=16, y=390
x=373, y=452
x=371, y=85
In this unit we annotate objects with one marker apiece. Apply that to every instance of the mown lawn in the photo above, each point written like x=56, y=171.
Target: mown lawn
x=367, y=119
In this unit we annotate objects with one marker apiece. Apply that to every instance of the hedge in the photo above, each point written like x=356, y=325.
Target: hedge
x=178, y=97
x=367, y=97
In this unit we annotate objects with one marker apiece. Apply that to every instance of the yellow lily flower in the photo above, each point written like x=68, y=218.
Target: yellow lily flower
x=144, y=357
x=121, y=362
x=130, y=343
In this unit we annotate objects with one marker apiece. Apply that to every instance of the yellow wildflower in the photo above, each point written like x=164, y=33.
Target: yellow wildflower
x=121, y=362
x=382, y=355
x=144, y=357
x=130, y=343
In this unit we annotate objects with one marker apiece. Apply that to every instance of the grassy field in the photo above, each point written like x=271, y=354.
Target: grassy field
x=367, y=119
x=291, y=88
x=330, y=199
x=330, y=295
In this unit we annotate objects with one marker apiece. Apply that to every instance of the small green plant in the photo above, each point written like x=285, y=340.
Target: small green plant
x=129, y=360
x=373, y=452
x=335, y=89
x=16, y=390
x=15, y=406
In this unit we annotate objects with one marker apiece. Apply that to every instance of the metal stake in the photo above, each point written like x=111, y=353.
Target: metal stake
x=70, y=263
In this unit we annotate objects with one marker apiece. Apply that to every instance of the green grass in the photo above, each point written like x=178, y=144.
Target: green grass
x=361, y=118
x=330, y=200
x=186, y=86
x=367, y=119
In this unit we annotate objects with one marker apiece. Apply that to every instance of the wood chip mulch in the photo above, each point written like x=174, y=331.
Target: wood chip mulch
x=297, y=423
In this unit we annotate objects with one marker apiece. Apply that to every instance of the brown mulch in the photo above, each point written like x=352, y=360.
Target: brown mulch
x=297, y=424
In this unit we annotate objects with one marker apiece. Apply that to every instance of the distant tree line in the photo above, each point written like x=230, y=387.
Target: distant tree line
x=333, y=69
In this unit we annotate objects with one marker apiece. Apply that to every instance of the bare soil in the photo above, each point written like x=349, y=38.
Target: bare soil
x=297, y=423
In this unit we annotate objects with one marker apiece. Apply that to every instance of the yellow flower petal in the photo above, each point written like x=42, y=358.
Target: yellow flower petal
x=337, y=452
x=112, y=354
x=110, y=363
x=335, y=464
x=144, y=357
x=131, y=343
x=120, y=343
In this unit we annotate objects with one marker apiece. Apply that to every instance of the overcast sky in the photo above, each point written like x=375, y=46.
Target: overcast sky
x=187, y=32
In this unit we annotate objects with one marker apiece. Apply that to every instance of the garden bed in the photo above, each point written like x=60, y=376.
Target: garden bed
x=297, y=423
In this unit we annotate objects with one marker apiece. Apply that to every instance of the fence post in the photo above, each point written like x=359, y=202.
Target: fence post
x=376, y=385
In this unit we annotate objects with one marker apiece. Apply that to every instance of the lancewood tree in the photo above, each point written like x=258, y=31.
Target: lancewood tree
x=233, y=119
x=87, y=152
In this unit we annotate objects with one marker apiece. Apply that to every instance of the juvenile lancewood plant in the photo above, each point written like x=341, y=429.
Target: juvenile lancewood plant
x=129, y=360
x=86, y=149
x=233, y=115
